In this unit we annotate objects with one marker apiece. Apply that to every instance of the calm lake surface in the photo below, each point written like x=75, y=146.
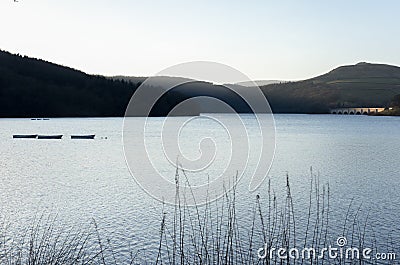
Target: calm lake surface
x=84, y=179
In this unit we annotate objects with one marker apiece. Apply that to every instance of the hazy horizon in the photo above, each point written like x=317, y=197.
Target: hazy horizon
x=265, y=40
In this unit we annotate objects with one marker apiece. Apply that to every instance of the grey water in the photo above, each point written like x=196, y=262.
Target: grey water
x=81, y=180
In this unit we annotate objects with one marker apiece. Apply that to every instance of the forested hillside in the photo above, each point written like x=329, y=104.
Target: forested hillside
x=35, y=88
x=357, y=85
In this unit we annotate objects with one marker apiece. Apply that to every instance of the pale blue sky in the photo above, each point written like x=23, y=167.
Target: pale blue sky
x=285, y=40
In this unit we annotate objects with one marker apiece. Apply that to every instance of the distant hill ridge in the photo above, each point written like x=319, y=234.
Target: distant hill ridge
x=362, y=70
x=363, y=84
x=259, y=83
x=32, y=87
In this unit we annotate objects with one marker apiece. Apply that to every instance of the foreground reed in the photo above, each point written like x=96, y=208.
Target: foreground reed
x=215, y=233
x=270, y=233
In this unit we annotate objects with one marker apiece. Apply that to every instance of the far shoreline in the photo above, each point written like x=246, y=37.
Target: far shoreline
x=394, y=113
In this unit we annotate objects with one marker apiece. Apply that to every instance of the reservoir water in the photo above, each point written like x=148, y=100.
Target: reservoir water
x=82, y=180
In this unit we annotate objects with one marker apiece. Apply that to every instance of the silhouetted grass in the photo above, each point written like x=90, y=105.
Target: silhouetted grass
x=215, y=234
x=211, y=234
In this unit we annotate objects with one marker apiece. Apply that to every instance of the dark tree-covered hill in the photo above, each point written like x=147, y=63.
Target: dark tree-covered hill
x=360, y=85
x=35, y=88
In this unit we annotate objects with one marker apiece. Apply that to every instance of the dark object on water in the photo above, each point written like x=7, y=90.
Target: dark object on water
x=91, y=136
x=50, y=136
x=25, y=136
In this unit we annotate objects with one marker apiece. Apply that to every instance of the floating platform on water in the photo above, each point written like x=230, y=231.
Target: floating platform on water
x=89, y=136
x=50, y=136
x=25, y=136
